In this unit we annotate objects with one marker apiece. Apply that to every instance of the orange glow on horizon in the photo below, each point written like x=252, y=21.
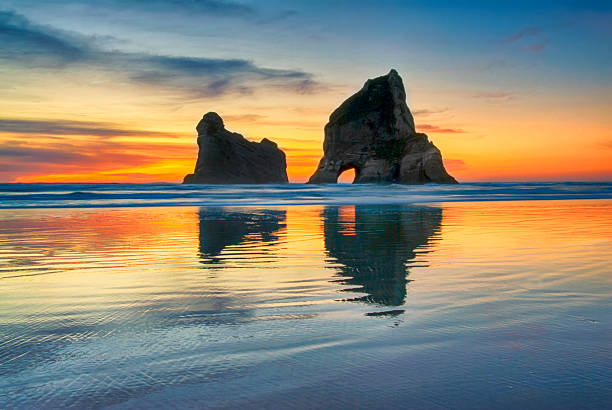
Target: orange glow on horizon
x=478, y=141
x=175, y=170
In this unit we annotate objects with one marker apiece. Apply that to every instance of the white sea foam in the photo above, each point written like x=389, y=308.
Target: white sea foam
x=124, y=195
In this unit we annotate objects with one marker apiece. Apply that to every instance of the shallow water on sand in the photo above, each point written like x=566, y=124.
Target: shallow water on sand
x=461, y=305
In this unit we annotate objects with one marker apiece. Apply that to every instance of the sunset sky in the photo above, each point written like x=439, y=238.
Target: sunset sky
x=111, y=90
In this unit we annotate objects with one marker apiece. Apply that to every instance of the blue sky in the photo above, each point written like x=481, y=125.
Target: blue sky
x=245, y=57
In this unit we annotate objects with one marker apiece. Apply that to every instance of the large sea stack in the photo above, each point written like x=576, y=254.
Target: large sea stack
x=226, y=157
x=374, y=133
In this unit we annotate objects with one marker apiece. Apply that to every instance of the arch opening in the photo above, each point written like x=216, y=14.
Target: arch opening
x=347, y=174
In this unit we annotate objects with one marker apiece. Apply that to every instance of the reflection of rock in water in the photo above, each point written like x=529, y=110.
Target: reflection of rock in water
x=373, y=244
x=221, y=227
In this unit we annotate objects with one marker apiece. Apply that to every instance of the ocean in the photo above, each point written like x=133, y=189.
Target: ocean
x=122, y=195
x=478, y=295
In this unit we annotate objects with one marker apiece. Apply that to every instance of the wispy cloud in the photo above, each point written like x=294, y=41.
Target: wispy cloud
x=22, y=41
x=283, y=15
x=20, y=158
x=426, y=112
x=215, y=7
x=529, y=38
x=144, y=12
x=68, y=127
x=210, y=77
x=30, y=156
x=267, y=121
x=30, y=45
x=527, y=32
x=606, y=144
x=497, y=96
x=39, y=147
x=453, y=164
x=537, y=47
x=243, y=117
x=438, y=130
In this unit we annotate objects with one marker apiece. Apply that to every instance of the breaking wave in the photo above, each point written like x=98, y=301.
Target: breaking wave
x=129, y=195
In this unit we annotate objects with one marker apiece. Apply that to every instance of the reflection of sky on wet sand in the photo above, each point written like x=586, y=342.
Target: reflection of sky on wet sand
x=164, y=306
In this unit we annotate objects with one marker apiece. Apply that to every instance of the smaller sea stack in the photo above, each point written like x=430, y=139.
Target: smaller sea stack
x=226, y=157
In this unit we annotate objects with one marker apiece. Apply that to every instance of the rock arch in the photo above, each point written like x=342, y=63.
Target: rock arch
x=373, y=131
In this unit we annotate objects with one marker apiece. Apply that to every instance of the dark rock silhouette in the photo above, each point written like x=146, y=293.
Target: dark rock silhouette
x=222, y=227
x=226, y=157
x=373, y=132
x=373, y=245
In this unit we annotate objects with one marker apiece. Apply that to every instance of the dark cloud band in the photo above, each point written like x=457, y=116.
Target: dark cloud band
x=68, y=127
x=28, y=45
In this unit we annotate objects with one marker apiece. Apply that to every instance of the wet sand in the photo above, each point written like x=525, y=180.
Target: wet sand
x=462, y=305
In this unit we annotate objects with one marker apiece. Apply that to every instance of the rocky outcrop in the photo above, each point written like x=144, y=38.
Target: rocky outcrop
x=226, y=157
x=374, y=133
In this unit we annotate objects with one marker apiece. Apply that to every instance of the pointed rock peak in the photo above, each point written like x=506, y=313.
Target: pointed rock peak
x=383, y=97
x=392, y=80
x=395, y=81
x=392, y=77
x=210, y=123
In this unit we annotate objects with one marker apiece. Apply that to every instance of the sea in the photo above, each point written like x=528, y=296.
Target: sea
x=296, y=296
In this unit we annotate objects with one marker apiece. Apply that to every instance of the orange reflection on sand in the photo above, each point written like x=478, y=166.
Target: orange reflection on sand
x=346, y=219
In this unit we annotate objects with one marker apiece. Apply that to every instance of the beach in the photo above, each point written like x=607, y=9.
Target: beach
x=452, y=303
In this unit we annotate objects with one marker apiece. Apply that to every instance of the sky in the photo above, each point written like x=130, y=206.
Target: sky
x=111, y=90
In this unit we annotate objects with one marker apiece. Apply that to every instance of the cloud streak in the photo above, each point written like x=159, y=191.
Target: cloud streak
x=29, y=155
x=27, y=44
x=527, y=32
x=531, y=38
x=493, y=96
x=214, y=7
x=23, y=158
x=265, y=120
x=453, y=164
x=22, y=41
x=40, y=147
x=439, y=130
x=425, y=111
x=68, y=127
